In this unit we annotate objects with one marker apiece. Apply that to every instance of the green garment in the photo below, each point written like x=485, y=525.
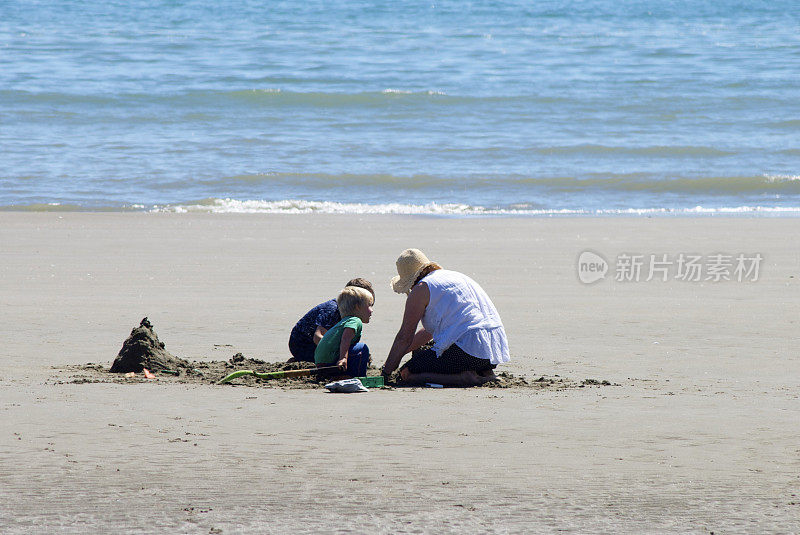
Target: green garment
x=327, y=351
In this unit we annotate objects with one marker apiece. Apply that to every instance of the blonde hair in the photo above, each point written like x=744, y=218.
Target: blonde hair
x=351, y=298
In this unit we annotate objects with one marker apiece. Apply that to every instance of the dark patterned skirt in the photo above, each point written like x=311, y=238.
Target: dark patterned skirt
x=453, y=360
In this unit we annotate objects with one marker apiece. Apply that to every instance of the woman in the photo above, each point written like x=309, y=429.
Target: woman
x=468, y=338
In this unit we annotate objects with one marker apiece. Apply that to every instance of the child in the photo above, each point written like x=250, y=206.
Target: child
x=340, y=344
x=312, y=327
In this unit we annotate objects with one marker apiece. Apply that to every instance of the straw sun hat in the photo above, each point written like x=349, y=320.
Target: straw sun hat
x=410, y=264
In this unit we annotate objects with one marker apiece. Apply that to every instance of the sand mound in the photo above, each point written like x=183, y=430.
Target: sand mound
x=143, y=349
x=210, y=372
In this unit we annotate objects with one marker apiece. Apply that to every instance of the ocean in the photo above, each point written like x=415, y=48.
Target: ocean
x=436, y=107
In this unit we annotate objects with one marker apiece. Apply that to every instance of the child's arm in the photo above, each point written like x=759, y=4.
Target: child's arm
x=344, y=346
x=319, y=333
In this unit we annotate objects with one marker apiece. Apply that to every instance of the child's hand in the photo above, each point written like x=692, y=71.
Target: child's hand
x=342, y=363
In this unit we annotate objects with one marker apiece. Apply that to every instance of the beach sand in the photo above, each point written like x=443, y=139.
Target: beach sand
x=701, y=434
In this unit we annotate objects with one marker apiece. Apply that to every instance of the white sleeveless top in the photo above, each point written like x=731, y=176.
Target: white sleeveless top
x=459, y=312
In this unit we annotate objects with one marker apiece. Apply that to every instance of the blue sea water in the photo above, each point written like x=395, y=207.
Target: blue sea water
x=599, y=106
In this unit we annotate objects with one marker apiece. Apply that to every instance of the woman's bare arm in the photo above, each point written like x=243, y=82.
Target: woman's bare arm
x=420, y=339
x=415, y=308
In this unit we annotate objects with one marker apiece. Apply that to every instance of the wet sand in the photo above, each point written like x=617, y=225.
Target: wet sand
x=700, y=436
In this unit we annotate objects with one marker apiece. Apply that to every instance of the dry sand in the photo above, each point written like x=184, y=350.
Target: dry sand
x=702, y=435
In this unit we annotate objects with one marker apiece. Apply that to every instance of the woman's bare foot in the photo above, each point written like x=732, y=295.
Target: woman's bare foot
x=466, y=378
x=470, y=378
x=489, y=375
x=478, y=378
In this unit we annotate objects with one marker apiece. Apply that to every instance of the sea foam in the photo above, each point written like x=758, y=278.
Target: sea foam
x=296, y=206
